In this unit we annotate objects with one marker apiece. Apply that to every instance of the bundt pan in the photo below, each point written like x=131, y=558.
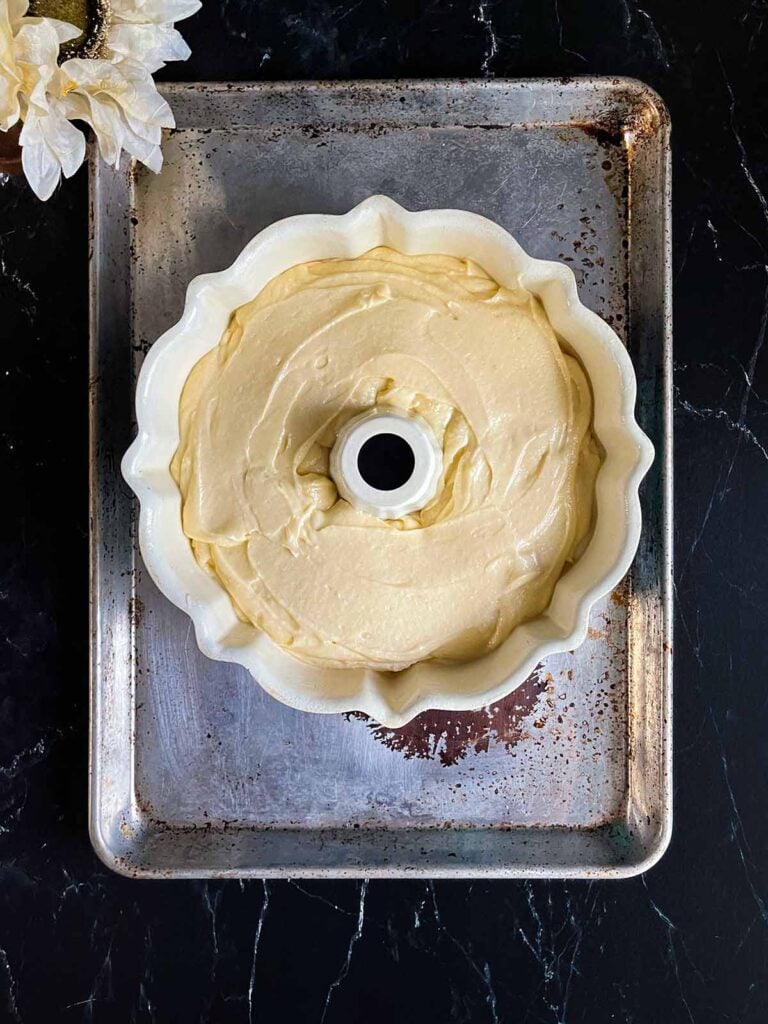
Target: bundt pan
x=390, y=698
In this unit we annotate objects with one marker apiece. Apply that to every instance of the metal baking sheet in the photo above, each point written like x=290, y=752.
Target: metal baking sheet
x=195, y=771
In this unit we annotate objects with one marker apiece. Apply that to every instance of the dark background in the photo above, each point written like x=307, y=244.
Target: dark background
x=686, y=943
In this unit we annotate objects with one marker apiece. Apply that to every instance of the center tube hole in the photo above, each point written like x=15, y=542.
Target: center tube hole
x=386, y=462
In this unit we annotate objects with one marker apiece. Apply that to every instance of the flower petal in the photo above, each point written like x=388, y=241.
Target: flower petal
x=158, y=11
x=150, y=45
x=52, y=137
x=63, y=29
x=36, y=45
x=65, y=140
x=10, y=108
x=149, y=132
x=103, y=117
x=148, y=105
x=16, y=9
x=142, y=148
x=41, y=168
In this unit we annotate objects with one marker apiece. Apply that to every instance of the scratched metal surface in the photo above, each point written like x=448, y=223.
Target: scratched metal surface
x=194, y=769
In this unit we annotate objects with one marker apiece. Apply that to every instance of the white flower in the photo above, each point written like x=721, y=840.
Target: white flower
x=121, y=103
x=114, y=93
x=29, y=50
x=142, y=31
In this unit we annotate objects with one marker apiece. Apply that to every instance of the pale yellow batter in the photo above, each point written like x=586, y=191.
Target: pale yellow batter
x=512, y=412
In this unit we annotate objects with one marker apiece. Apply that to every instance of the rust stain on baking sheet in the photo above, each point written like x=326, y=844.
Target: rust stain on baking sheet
x=450, y=735
x=606, y=134
x=620, y=596
x=135, y=611
x=629, y=121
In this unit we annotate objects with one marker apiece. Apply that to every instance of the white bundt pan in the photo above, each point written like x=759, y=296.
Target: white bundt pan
x=390, y=698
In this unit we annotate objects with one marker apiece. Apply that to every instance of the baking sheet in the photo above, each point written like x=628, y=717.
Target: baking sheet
x=195, y=771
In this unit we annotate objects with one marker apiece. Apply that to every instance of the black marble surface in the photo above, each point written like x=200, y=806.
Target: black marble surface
x=686, y=943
